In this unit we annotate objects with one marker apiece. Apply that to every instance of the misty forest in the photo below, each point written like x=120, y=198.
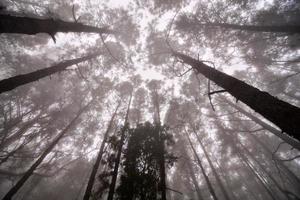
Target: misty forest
x=150, y=100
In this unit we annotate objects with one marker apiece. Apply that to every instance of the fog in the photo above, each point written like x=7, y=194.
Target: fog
x=149, y=100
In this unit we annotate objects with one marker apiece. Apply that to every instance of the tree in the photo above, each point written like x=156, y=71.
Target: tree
x=284, y=115
x=16, y=81
x=32, y=26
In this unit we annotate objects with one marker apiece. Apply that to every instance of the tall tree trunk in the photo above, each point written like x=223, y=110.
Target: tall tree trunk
x=245, y=160
x=32, y=26
x=16, y=81
x=221, y=185
x=265, y=171
x=91, y=181
x=194, y=179
x=284, y=115
x=291, y=175
x=291, y=141
x=33, y=167
x=254, y=28
x=210, y=187
x=118, y=158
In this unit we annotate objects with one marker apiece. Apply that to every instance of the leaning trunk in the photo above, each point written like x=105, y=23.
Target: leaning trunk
x=91, y=181
x=33, y=167
x=291, y=141
x=284, y=115
x=118, y=159
x=272, y=29
x=32, y=26
x=16, y=81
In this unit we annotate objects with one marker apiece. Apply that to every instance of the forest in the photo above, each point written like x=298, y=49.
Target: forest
x=150, y=100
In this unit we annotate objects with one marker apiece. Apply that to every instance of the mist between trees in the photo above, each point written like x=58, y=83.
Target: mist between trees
x=149, y=100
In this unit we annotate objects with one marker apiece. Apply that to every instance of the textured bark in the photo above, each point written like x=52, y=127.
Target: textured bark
x=112, y=186
x=210, y=187
x=16, y=81
x=291, y=141
x=91, y=181
x=272, y=29
x=9, y=195
x=32, y=26
x=221, y=185
x=282, y=114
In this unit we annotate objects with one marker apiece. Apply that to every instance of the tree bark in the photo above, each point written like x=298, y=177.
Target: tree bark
x=272, y=29
x=282, y=114
x=210, y=187
x=16, y=81
x=291, y=141
x=9, y=195
x=32, y=26
x=91, y=181
x=118, y=159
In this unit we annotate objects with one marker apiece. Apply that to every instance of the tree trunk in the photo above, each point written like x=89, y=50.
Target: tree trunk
x=33, y=167
x=194, y=179
x=291, y=141
x=226, y=196
x=273, y=29
x=91, y=181
x=265, y=171
x=284, y=115
x=210, y=187
x=245, y=160
x=32, y=26
x=118, y=159
x=16, y=81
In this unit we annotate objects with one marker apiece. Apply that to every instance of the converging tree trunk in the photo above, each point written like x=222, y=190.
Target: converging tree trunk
x=255, y=28
x=16, y=81
x=282, y=114
x=291, y=141
x=31, y=26
x=210, y=187
x=33, y=167
x=221, y=185
x=118, y=158
x=91, y=181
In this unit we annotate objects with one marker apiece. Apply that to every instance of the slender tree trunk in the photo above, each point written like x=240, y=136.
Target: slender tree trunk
x=244, y=159
x=265, y=171
x=16, y=81
x=32, y=26
x=293, y=178
x=254, y=28
x=91, y=181
x=33, y=167
x=210, y=187
x=221, y=185
x=291, y=141
x=284, y=115
x=118, y=159
x=194, y=179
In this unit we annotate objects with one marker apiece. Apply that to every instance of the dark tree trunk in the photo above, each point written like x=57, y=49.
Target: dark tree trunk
x=118, y=158
x=32, y=26
x=226, y=196
x=272, y=29
x=91, y=181
x=284, y=115
x=16, y=81
x=291, y=141
x=210, y=187
x=33, y=167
